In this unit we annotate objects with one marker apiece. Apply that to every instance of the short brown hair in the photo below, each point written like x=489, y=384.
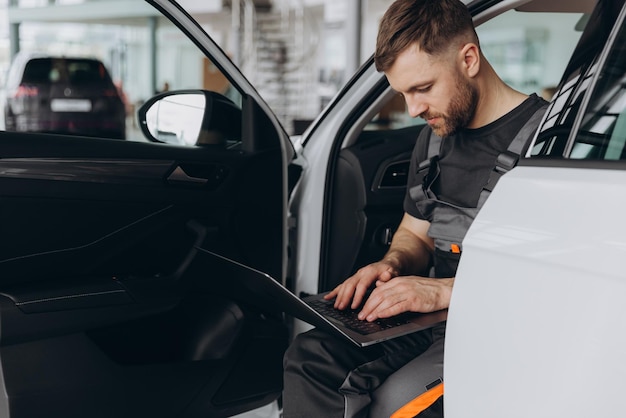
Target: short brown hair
x=432, y=24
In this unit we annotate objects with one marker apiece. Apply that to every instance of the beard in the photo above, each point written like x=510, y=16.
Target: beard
x=460, y=110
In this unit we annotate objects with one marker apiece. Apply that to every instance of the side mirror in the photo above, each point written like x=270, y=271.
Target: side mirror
x=190, y=117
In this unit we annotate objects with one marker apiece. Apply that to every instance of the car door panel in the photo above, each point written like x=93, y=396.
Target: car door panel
x=102, y=312
x=97, y=302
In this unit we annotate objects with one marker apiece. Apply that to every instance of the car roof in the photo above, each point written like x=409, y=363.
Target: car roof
x=28, y=55
x=568, y=6
x=483, y=10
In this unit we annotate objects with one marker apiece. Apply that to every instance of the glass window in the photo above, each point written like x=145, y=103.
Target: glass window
x=562, y=116
x=528, y=50
x=602, y=134
x=90, y=79
x=393, y=115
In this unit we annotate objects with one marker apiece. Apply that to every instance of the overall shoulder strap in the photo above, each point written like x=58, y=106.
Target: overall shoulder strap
x=423, y=167
x=434, y=146
x=509, y=158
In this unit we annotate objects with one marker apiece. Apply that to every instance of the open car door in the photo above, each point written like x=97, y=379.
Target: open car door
x=104, y=309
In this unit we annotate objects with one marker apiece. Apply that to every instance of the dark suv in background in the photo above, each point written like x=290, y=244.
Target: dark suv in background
x=63, y=95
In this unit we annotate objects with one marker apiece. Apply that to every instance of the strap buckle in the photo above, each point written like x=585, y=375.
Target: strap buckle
x=506, y=161
x=424, y=165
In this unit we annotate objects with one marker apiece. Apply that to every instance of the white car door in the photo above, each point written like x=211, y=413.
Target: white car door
x=535, y=325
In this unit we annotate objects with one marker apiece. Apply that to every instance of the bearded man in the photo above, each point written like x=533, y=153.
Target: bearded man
x=430, y=54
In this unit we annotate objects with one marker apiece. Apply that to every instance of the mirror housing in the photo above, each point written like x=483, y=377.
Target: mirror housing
x=190, y=117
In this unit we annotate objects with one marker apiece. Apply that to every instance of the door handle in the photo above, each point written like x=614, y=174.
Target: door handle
x=179, y=176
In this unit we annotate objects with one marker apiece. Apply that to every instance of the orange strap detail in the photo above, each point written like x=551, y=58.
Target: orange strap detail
x=419, y=404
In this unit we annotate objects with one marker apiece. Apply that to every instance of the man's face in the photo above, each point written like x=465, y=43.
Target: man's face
x=434, y=89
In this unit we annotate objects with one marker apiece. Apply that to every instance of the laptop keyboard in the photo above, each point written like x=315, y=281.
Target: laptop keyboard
x=349, y=318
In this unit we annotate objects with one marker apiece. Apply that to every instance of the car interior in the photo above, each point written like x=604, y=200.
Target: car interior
x=368, y=185
x=107, y=308
x=100, y=299
x=369, y=169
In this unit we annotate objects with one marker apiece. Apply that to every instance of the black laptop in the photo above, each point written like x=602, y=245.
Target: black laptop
x=266, y=293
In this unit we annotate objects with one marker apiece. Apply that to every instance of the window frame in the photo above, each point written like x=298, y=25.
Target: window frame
x=572, y=85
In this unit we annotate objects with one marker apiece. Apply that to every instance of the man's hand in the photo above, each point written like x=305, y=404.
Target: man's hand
x=351, y=292
x=407, y=294
x=410, y=251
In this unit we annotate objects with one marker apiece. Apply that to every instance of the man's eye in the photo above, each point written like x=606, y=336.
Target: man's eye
x=423, y=89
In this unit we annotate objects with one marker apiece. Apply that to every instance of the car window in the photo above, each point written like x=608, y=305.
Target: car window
x=90, y=80
x=39, y=71
x=528, y=50
x=65, y=70
x=602, y=134
x=562, y=118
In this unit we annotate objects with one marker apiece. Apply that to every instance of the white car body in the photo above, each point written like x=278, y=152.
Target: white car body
x=537, y=308
x=538, y=304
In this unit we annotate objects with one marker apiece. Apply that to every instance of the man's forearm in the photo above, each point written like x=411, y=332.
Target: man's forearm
x=408, y=254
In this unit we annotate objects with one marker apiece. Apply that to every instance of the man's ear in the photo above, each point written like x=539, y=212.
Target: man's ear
x=470, y=59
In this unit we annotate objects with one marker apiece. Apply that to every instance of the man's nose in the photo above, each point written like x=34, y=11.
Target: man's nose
x=415, y=107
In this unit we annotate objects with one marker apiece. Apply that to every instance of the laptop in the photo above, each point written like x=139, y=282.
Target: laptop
x=259, y=289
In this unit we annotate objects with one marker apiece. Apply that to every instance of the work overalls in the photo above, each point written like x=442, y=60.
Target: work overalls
x=449, y=224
